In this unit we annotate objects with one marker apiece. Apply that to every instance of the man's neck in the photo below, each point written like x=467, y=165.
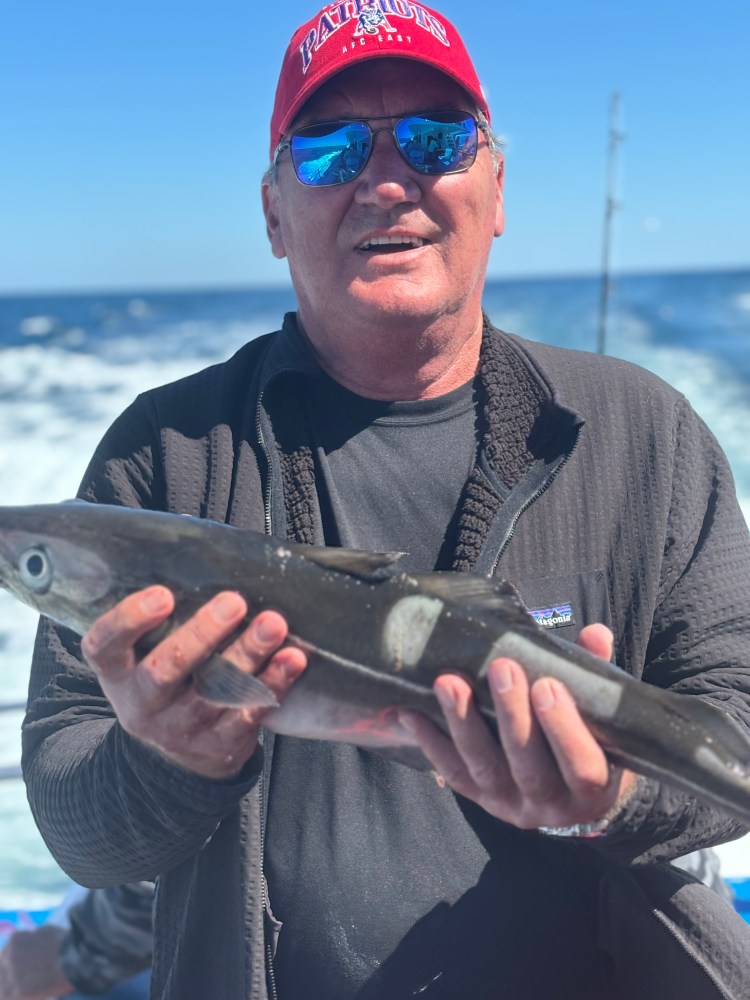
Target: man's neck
x=397, y=364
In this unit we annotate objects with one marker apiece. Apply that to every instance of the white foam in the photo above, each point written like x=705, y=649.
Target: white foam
x=139, y=309
x=38, y=326
x=722, y=400
x=55, y=404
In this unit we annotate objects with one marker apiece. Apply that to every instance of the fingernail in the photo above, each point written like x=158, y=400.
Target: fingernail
x=293, y=663
x=267, y=629
x=501, y=676
x=447, y=698
x=227, y=608
x=156, y=600
x=544, y=695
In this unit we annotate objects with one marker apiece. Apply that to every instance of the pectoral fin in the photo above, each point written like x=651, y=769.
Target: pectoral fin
x=219, y=681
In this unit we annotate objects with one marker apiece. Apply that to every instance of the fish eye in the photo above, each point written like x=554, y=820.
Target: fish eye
x=35, y=569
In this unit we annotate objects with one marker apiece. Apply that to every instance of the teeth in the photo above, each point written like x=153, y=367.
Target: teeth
x=407, y=241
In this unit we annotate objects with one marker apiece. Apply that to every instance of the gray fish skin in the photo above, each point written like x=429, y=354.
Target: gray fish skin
x=376, y=638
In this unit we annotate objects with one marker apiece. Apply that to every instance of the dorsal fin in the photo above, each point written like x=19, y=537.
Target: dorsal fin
x=482, y=593
x=355, y=562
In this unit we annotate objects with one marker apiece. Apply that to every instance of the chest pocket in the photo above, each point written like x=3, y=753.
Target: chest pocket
x=564, y=604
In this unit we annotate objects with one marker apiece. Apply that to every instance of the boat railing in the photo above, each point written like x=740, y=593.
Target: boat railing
x=12, y=706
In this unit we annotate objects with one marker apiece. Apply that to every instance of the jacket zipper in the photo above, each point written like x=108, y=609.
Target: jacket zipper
x=271, y=987
x=273, y=993
x=720, y=992
x=532, y=499
x=262, y=443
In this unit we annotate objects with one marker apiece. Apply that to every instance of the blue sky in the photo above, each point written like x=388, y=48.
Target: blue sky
x=135, y=135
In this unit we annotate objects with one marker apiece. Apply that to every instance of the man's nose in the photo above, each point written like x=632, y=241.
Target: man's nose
x=387, y=180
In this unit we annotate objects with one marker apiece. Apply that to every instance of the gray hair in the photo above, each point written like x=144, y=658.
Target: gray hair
x=494, y=144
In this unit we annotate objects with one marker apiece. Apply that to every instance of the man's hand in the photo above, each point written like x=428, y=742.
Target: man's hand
x=154, y=698
x=30, y=965
x=546, y=770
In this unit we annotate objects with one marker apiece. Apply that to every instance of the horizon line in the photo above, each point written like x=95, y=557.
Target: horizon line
x=277, y=286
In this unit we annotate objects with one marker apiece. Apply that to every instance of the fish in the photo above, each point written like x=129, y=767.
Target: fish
x=376, y=637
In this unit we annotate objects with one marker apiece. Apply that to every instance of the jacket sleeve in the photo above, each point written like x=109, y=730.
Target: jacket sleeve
x=699, y=638
x=110, y=809
x=110, y=937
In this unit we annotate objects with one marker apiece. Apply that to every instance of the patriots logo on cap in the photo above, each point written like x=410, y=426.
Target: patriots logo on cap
x=556, y=617
x=371, y=19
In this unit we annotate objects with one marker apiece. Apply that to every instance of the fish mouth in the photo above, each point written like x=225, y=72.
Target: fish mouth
x=397, y=243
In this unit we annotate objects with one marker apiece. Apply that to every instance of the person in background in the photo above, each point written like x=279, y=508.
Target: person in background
x=108, y=942
x=388, y=413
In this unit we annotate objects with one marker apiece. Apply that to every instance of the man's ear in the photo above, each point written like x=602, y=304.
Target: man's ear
x=499, y=199
x=269, y=193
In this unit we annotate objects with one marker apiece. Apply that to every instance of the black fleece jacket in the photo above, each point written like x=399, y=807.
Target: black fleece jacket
x=596, y=484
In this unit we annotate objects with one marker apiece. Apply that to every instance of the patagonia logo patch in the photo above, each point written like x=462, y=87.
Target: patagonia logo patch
x=556, y=617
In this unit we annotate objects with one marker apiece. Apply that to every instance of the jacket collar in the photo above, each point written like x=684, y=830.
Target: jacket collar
x=526, y=435
x=288, y=351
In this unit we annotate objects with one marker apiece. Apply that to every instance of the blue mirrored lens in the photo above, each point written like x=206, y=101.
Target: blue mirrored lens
x=336, y=152
x=331, y=153
x=438, y=145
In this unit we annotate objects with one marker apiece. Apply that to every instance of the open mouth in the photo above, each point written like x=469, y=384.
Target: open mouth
x=392, y=244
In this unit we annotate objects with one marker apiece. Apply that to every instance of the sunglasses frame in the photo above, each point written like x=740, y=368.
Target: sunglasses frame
x=286, y=141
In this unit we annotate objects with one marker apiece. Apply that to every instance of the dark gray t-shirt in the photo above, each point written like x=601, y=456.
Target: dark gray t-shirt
x=387, y=885
x=360, y=850
x=390, y=473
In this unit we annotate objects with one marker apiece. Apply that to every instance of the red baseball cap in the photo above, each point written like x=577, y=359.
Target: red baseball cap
x=345, y=33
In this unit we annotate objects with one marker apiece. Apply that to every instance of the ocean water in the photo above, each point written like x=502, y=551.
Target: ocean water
x=69, y=364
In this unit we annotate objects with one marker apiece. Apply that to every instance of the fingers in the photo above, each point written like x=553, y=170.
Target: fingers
x=257, y=651
x=108, y=644
x=176, y=657
x=216, y=742
x=545, y=768
x=283, y=669
x=30, y=965
x=155, y=699
x=164, y=672
x=475, y=765
x=596, y=639
x=253, y=648
x=581, y=761
x=530, y=761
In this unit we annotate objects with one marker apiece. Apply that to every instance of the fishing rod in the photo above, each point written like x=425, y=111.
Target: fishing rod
x=610, y=207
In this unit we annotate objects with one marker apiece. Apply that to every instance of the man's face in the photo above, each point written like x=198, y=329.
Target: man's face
x=447, y=223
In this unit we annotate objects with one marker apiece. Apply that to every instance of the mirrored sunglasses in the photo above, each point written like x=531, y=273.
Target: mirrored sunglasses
x=432, y=143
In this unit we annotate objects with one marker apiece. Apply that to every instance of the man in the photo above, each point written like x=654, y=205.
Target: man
x=389, y=414
x=108, y=942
